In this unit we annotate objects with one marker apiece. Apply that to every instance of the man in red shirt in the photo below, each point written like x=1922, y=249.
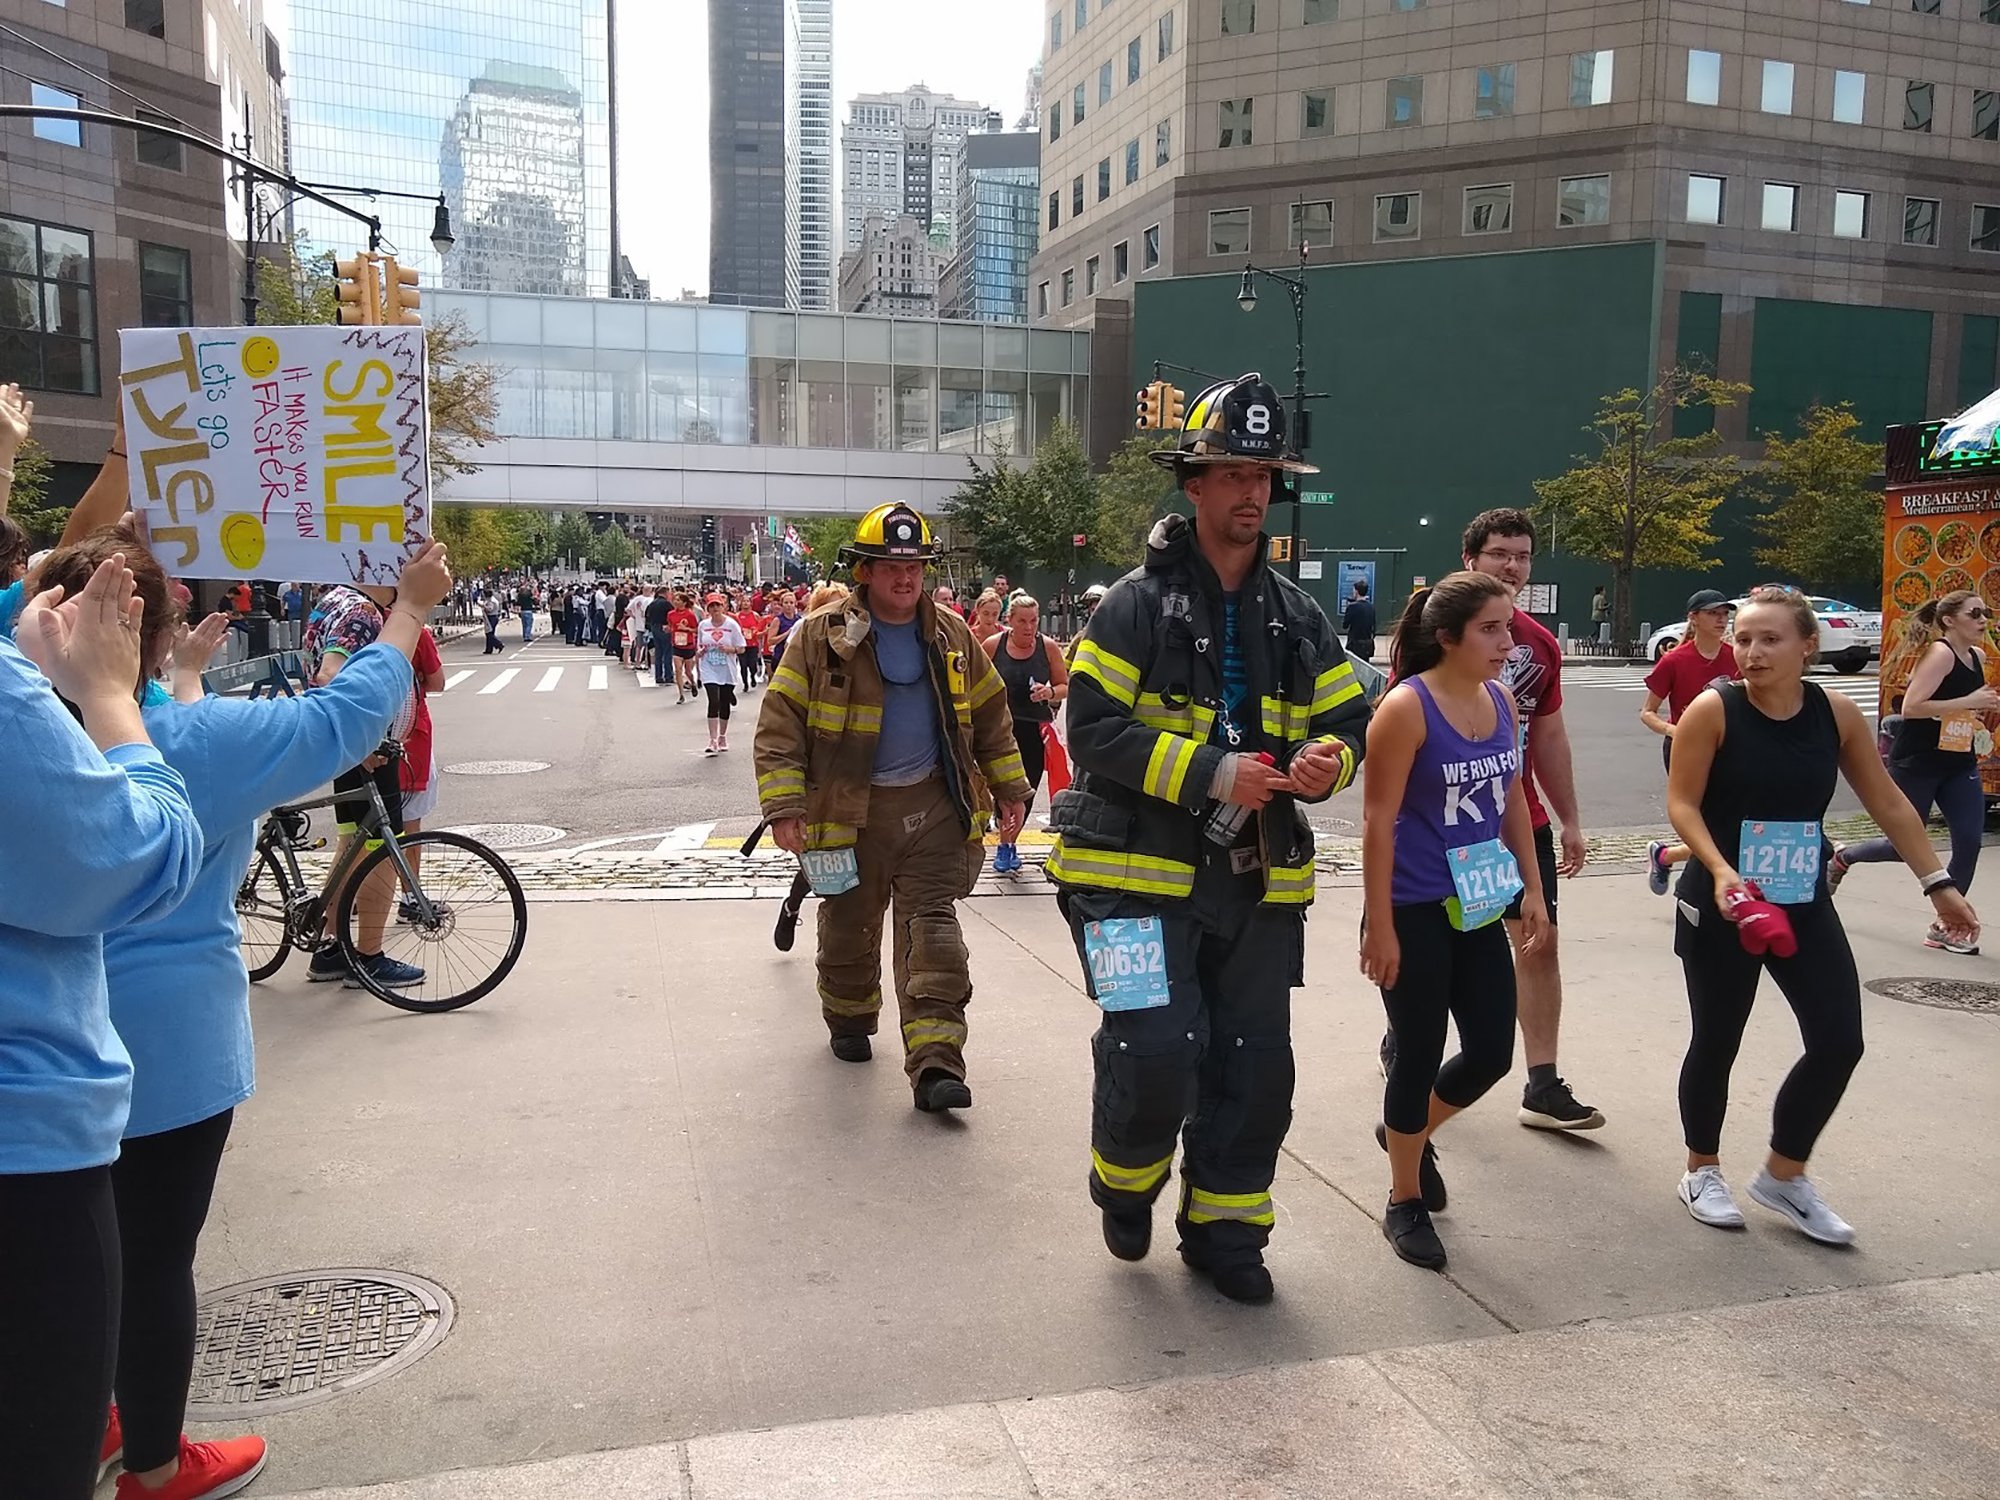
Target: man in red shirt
x=682, y=622
x=1701, y=661
x=1501, y=543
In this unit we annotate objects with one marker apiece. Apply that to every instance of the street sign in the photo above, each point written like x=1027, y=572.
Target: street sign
x=1311, y=569
x=1316, y=497
x=1080, y=539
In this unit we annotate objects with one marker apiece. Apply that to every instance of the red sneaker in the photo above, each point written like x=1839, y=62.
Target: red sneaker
x=114, y=1445
x=208, y=1471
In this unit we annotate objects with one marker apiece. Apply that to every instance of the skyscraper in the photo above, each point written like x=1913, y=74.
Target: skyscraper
x=751, y=258
x=998, y=214
x=809, y=165
x=899, y=153
x=404, y=98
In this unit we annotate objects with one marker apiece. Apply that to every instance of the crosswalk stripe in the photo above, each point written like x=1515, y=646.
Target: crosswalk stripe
x=456, y=678
x=549, y=680
x=502, y=680
x=687, y=836
x=600, y=678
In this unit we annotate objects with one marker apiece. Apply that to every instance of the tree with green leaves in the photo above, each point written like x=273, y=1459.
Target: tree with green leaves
x=1057, y=501
x=1132, y=493
x=612, y=551
x=570, y=538
x=1644, y=498
x=823, y=537
x=476, y=538
x=988, y=512
x=1820, y=513
x=28, y=505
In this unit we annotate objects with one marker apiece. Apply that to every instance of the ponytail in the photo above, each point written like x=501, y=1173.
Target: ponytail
x=1444, y=609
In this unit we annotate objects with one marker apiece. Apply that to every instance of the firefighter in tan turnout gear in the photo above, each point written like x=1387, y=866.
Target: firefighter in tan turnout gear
x=1208, y=697
x=882, y=745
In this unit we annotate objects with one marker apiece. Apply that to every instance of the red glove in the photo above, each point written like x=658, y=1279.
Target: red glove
x=1761, y=927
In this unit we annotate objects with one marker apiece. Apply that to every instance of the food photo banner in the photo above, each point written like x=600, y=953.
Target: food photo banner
x=293, y=453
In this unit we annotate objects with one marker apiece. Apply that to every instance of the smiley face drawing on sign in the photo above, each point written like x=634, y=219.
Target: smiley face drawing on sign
x=260, y=357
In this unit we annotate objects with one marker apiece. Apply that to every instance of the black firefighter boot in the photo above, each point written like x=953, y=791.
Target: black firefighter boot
x=938, y=1091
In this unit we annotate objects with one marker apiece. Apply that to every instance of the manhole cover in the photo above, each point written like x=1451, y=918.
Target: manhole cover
x=1327, y=823
x=1945, y=994
x=510, y=835
x=290, y=1341
x=498, y=767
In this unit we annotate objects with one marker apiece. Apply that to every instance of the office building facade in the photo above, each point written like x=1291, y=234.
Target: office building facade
x=899, y=155
x=998, y=202
x=751, y=257
x=894, y=271
x=809, y=159
x=397, y=100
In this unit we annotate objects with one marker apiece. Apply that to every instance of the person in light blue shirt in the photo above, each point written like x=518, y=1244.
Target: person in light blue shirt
x=180, y=997
x=98, y=832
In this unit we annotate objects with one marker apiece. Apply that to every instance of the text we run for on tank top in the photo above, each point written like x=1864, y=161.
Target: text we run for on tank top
x=1456, y=795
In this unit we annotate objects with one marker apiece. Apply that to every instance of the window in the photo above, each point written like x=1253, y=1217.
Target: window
x=146, y=16
x=1166, y=36
x=62, y=132
x=1495, y=96
x=1407, y=4
x=1055, y=31
x=1055, y=123
x=1489, y=209
x=1132, y=61
x=1076, y=105
x=1318, y=11
x=1075, y=196
x=48, y=326
x=1926, y=7
x=1229, y=231
x=1235, y=123
x=1042, y=300
x=1781, y=207
x=158, y=150
x=1918, y=101
x=1239, y=17
x=1704, y=77
x=166, y=287
x=1850, y=96
x=1104, y=179
x=1163, y=142
x=1398, y=216
x=1055, y=209
x=1131, y=161
x=1313, y=225
x=1589, y=78
x=1316, y=113
x=1091, y=268
x=1850, y=215
x=1920, y=221
x=1583, y=200
x=1986, y=115
x=1150, y=249
x=1104, y=84
x=1082, y=15
x=1121, y=261
x=1069, y=286
x=1406, y=102
x=1777, y=99
x=1986, y=227
x=1990, y=11
x=1704, y=199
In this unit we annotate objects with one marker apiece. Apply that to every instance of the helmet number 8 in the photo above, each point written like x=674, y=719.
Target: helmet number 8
x=1257, y=420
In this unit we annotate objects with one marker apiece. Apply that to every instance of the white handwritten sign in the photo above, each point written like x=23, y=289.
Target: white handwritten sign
x=293, y=453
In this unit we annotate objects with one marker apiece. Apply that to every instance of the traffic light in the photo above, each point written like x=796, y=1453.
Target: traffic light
x=1174, y=401
x=1281, y=549
x=400, y=297
x=1150, y=406
x=359, y=289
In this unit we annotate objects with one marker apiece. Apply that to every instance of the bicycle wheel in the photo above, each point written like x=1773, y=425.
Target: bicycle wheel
x=260, y=917
x=479, y=922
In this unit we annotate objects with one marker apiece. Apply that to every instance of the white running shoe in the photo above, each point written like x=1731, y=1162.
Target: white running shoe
x=1938, y=938
x=1708, y=1198
x=1798, y=1200
x=1658, y=871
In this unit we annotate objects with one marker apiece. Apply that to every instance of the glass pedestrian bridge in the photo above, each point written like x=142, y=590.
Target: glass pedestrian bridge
x=619, y=405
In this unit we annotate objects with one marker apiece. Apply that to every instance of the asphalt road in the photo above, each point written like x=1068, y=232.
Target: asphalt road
x=619, y=764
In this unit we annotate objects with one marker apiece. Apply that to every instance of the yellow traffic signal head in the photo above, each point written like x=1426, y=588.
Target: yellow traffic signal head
x=1149, y=407
x=1173, y=401
x=400, y=297
x=357, y=290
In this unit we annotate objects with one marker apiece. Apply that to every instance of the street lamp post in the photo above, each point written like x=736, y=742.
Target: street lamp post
x=1295, y=288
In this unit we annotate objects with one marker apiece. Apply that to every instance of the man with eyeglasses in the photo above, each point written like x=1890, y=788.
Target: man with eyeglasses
x=1501, y=543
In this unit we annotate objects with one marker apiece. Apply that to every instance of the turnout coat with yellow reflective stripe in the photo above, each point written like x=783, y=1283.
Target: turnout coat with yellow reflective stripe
x=822, y=715
x=1145, y=693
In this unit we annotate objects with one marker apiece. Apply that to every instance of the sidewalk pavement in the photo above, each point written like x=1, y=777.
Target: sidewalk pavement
x=675, y=1228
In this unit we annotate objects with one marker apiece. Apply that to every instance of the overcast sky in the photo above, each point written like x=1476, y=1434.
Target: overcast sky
x=983, y=53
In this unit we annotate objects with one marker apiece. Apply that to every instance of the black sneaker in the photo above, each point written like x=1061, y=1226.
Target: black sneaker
x=1128, y=1236
x=1554, y=1107
x=851, y=1048
x=938, y=1091
x=1238, y=1280
x=1386, y=1053
x=1407, y=1228
x=1428, y=1177
x=328, y=965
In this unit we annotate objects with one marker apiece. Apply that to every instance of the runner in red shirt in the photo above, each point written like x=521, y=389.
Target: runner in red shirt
x=682, y=622
x=752, y=656
x=1502, y=543
x=1701, y=661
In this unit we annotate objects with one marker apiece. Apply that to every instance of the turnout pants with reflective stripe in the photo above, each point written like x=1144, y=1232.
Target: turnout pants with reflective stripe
x=1212, y=1069
x=913, y=853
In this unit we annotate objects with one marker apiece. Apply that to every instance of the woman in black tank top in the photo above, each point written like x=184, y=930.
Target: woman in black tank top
x=1753, y=770
x=1947, y=716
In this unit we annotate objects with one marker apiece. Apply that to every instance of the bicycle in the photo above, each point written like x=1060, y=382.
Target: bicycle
x=460, y=905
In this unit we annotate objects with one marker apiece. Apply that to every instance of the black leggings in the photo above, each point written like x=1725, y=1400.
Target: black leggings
x=1034, y=757
x=746, y=663
x=58, y=1328
x=1819, y=983
x=163, y=1183
x=1446, y=975
x=721, y=697
x=1956, y=792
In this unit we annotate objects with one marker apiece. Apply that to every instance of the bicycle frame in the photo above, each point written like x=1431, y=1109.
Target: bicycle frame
x=373, y=826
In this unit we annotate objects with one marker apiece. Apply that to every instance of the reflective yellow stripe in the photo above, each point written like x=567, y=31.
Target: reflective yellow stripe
x=924, y=1033
x=837, y=718
x=1118, y=677
x=781, y=781
x=988, y=686
x=1008, y=767
x=1244, y=1208
x=1182, y=718
x=1167, y=767
x=1130, y=1179
x=830, y=835
x=1347, y=764
x=1289, y=885
x=840, y=1005
x=790, y=682
x=1115, y=870
x=1334, y=687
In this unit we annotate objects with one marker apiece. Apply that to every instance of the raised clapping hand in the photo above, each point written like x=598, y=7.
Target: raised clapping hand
x=87, y=647
x=194, y=648
x=16, y=418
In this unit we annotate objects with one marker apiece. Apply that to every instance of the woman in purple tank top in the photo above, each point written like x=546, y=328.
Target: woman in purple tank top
x=1446, y=846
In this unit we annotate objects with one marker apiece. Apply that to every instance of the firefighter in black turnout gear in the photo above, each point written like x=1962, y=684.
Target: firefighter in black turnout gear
x=1209, y=696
